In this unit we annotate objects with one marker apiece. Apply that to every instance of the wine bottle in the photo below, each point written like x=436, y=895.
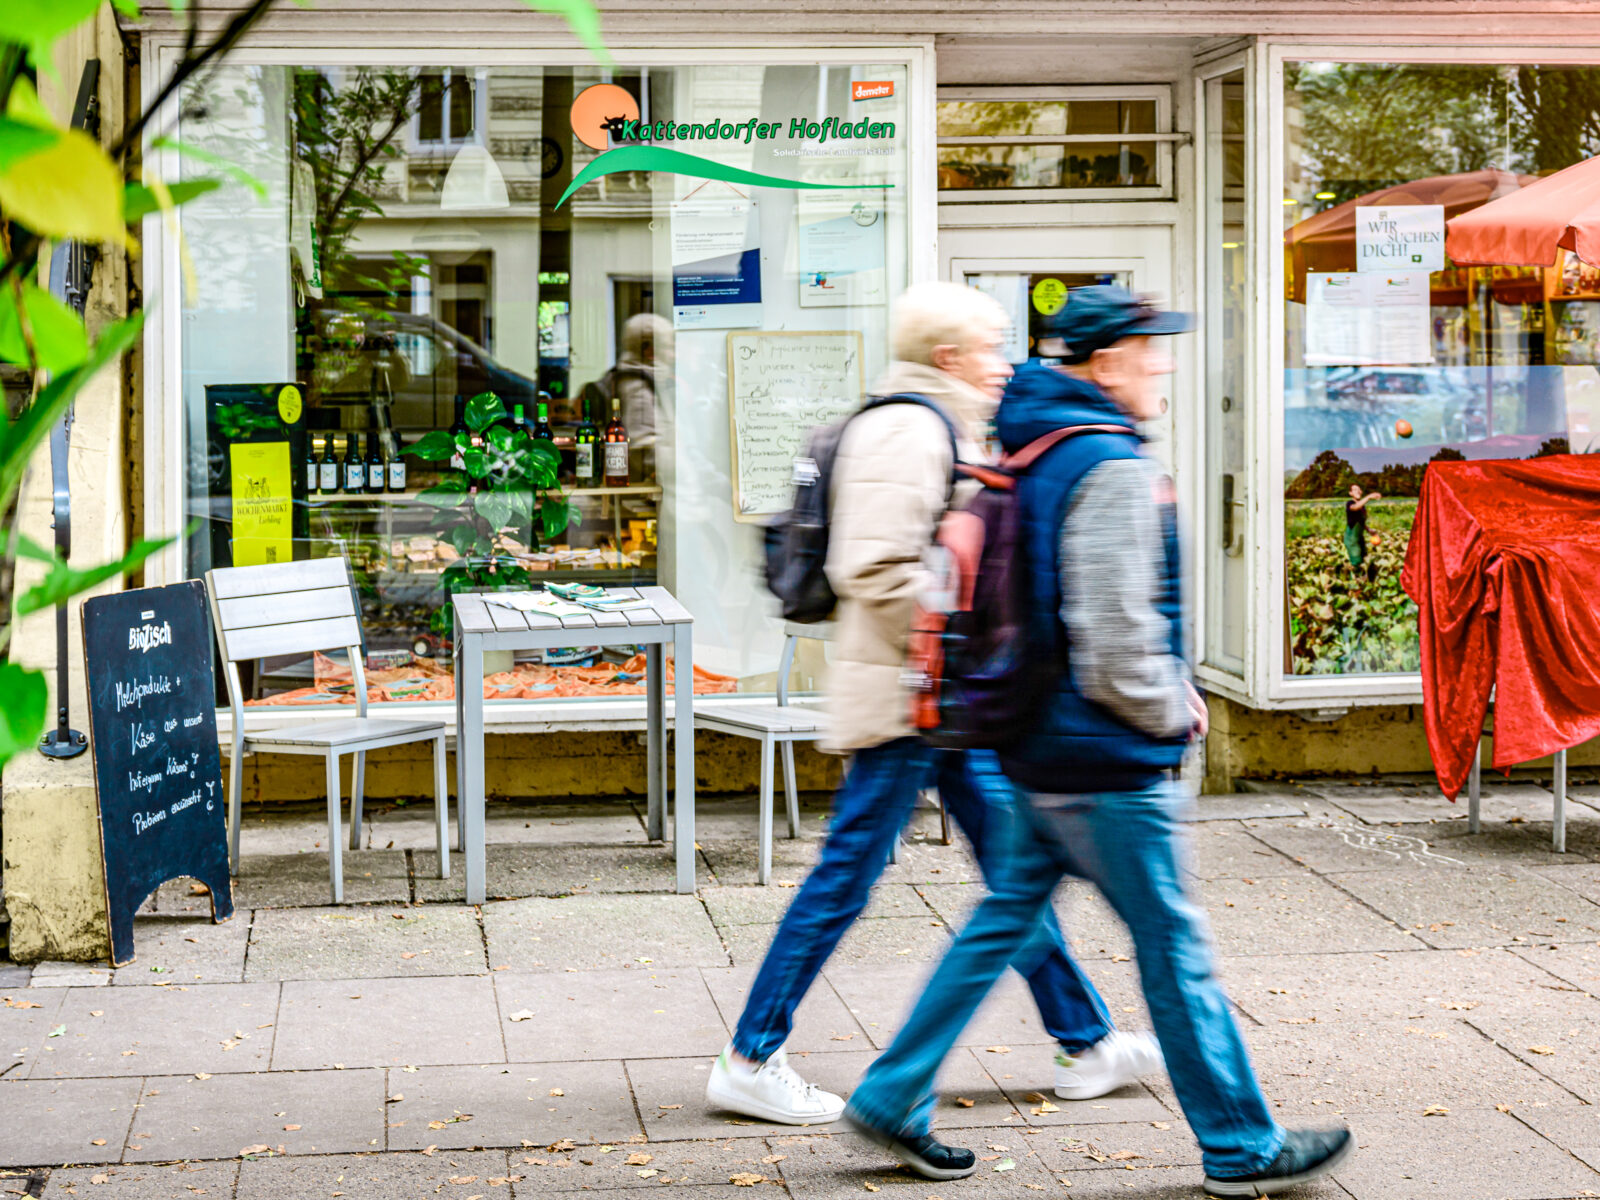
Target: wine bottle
x=584, y=454
x=519, y=419
x=458, y=429
x=313, y=468
x=355, y=472
x=328, y=468
x=375, y=465
x=397, y=470
x=541, y=427
x=616, y=447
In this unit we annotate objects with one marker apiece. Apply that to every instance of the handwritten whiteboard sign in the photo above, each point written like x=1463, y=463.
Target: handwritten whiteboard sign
x=781, y=386
x=157, y=769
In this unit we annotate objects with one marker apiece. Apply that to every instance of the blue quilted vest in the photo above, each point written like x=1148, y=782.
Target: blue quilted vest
x=1077, y=745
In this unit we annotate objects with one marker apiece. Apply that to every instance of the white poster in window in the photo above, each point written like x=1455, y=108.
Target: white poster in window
x=1010, y=291
x=716, y=262
x=1406, y=237
x=840, y=249
x=1366, y=319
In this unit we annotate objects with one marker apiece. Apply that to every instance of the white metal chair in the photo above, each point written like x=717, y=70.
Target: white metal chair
x=299, y=608
x=776, y=726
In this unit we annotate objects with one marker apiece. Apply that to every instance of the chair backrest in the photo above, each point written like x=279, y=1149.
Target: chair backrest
x=793, y=632
x=285, y=608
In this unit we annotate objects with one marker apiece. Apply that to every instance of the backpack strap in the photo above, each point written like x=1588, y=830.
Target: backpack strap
x=1029, y=454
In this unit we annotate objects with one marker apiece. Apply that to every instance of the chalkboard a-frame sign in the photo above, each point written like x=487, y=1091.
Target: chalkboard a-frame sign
x=157, y=769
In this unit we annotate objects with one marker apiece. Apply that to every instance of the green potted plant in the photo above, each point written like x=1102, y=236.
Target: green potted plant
x=505, y=487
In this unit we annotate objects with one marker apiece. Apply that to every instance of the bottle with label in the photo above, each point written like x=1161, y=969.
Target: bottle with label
x=519, y=419
x=397, y=470
x=584, y=438
x=458, y=428
x=355, y=471
x=328, y=468
x=616, y=447
x=313, y=467
x=375, y=465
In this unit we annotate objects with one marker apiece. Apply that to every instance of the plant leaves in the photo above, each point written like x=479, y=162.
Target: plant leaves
x=18, y=139
x=18, y=441
x=433, y=447
x=22, y=715
x=231, y=169
x=139, y=201
x=69, y=189
x=63, y=582
x=58, y=335
x=37, y=23
x=493, y=507
x=484, y=410
x=553, y=518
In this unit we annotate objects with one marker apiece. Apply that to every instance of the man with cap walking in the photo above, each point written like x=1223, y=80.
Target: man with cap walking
x=1095, y=771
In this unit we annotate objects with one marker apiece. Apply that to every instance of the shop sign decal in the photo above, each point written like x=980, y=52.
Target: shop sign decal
x=1406, y=237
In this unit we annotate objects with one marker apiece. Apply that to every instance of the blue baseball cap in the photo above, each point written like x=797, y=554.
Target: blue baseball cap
x=1094, y=318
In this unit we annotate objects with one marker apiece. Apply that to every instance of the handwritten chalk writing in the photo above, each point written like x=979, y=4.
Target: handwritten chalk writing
x=138, y=782
x=147, y=637
x=191, y=722
x=139, y=737
x=143, y=821
x=174, y=767
x=133, y=695
x=168, y=726
x=179, y=805
x=780, y=387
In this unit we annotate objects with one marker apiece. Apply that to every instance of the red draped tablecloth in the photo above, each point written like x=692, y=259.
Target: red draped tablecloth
x=1504, y=564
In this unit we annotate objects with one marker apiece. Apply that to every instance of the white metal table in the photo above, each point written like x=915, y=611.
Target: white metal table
x=481, y=624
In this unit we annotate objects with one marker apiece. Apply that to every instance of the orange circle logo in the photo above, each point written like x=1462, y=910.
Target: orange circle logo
x=598, y=110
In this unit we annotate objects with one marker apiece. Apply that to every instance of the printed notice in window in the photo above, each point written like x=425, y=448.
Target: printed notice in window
x=1367, y=319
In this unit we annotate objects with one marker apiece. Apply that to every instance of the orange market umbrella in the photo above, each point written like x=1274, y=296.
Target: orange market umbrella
x=1326, y=241
x=1527, y=227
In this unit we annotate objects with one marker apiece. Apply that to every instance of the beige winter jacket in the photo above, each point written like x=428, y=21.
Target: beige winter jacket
x=890, y=483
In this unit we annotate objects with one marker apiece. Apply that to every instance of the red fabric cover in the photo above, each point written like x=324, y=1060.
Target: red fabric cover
x=1526, y=227
x=1504, y=564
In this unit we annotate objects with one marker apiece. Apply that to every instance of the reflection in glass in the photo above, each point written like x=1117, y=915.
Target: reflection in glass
x=1503, y=362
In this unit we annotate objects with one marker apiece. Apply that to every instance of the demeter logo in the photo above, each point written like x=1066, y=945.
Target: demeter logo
x=871, y=89
x=607, y=115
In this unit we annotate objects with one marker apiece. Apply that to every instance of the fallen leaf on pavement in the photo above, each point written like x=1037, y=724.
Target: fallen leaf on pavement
x=1120, y=958
x=1162, y=1124
x=637, y=1160
x=1006, y=1164
x=774, y=1158
x=998, y=1049
x=669, y=1106
x=102, y=1178
x=98, y=1142
x=1541, y=1049
x=1043, y=1107
x=647, y=1173
x=1297, y=1020
x=871, y=1187
x=521, y=1014
x=1505, y=1108
x=1436, y=1110
x=963, y=1102
x=290, y=1128
x=843, y=1037
x=1125, y=1156
x=563, y=1144
x=462, y=1180
x=57, y=1031
x=396, y=1098
x=258, y=1149
x=436, y=1124
x=557, y=1092
x=96, y=1012
x=429, y=1151
x=408, y=954
x=199, y=889
x=746, y=1179
x=201, y=1075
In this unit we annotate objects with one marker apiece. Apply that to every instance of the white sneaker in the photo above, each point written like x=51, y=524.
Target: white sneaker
x=772, y=1091
x=1115, y=1060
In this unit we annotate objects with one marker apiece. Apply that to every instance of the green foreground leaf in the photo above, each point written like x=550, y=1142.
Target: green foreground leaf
x=63, y=582
x=24, y=705
x=58, y=334
x=139, y=201
x=70, y=189
x=231, y=169
x=18, y=139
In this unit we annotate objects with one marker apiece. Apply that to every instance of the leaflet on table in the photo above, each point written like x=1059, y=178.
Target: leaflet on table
x=552, y=606
x=1368, y=319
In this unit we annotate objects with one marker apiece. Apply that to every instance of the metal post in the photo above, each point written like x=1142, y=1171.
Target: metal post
x=1559, y=830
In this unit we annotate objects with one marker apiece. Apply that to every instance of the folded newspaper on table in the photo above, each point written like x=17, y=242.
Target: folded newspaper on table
x=553, y=606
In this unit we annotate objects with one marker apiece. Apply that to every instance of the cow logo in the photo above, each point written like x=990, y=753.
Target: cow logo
x=602, y=109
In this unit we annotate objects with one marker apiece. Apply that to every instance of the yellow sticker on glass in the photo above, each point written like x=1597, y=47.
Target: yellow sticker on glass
x=1048, y=296
x=289, y=404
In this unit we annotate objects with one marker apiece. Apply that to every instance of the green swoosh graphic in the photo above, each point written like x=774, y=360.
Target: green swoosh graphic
x=659, y=158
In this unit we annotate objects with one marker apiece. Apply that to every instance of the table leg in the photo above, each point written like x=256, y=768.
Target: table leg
x=1559, y=832
x=469, y=753
x=655, y=716
x=461, y=758
x=1475, y=787
x=683, y=734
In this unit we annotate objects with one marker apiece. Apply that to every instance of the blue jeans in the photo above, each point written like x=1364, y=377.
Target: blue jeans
x=1128, y=844
x=869, y=810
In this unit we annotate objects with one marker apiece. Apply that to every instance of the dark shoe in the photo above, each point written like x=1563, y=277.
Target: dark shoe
x=1307, y=1154
x=925, y=1155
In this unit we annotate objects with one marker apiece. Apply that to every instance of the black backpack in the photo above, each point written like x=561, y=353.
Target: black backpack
x=796, y=542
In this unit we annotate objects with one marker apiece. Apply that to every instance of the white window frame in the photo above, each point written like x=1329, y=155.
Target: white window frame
x=1271, y=686
x=1163, y=138
x=161, y=273
x=480, y=115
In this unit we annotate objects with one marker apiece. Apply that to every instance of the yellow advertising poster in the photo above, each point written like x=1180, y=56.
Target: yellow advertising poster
x=263, y=504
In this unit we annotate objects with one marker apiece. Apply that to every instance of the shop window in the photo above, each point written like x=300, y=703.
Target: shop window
x=395, y=288
x=1394, y=358
x=1033, y=143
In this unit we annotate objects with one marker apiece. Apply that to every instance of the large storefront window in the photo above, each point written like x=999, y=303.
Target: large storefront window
x=411, y=266
x=1393, y=357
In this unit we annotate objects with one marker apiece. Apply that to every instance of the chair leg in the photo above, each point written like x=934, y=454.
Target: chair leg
x=235, y=805
x=335, y=862
x=1559, y=822
x=356, y=795
x=791, y=794
x=461, y=804
x=441, y=806
x=1475, y=788
x=944, y=822
x=764, y=872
